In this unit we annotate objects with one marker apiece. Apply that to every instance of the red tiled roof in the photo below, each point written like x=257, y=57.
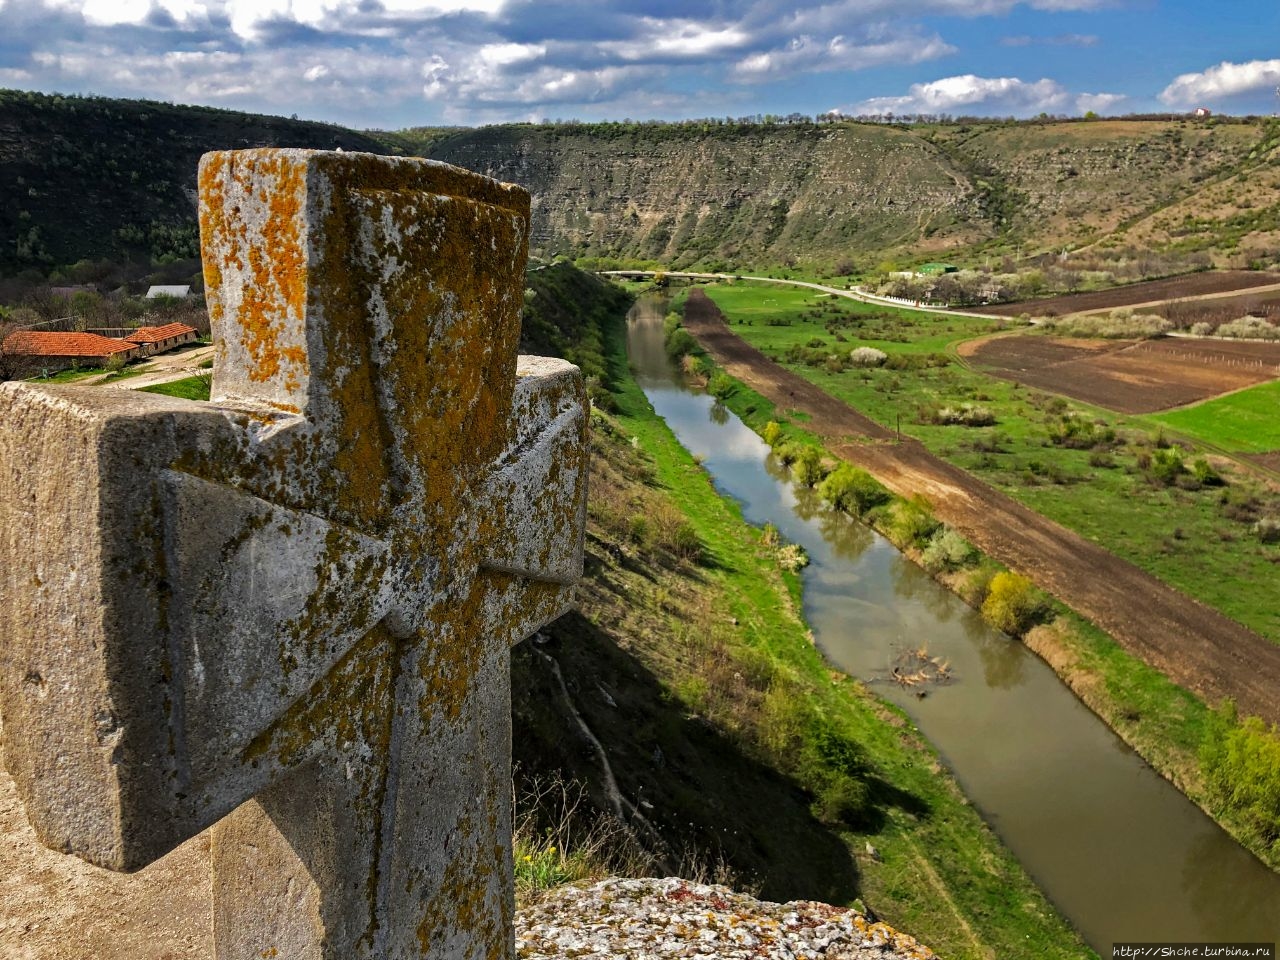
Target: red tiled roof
x=39, y=343
x=156, y=334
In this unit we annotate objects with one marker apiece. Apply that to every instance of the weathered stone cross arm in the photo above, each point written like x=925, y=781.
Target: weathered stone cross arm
x=303, y=594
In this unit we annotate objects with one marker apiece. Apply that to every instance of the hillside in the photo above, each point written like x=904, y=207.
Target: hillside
x=92, y=178
x=688, y=698
x=721, y=195
x=98, y=178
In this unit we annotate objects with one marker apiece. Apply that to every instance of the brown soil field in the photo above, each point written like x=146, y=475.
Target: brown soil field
x=1193, y=645
x=1128, y=376
x=1172, y=288
x=1269, y=460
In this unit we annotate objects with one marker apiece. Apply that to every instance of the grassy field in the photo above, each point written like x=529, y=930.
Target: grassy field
x=1112, y=478
x=189, y=388
x=1243, y=422
x=941, y=874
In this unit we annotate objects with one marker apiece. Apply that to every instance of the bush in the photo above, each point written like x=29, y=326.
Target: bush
x=965, y=415
x=1204, y=473
x=852, y=490
x=867, y=357
x=912, y=523
x=680, y=343
x=721, y=385
x=1013, y=604
x=771, y=433
x=808, y=468
x=1167, y=466
x=787, y=453
x=947, y=550
x=1250, y=328
x=1121, y=324
x=1241, y=766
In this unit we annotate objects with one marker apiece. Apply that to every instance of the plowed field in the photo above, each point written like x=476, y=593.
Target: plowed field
x=1174, y=288
x=1125, y=375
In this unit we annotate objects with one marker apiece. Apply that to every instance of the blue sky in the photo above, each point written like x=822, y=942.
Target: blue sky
x=398, y=63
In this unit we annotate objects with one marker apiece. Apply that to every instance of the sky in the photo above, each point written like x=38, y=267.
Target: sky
x=392, y=64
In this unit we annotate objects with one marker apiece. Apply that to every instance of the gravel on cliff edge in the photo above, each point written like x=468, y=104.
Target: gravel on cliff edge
x=642, y=919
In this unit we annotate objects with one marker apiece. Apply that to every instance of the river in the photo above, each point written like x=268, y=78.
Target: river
x=1118, y=849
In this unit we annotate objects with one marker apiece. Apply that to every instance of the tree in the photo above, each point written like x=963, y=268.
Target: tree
x=1013, y=604
x=808, y=468
x=10, y=364
x=852, y=490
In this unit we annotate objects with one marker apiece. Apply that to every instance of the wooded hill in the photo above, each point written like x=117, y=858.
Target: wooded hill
x=92, y=178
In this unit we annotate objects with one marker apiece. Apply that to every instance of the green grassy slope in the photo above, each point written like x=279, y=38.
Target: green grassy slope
x=690, y=663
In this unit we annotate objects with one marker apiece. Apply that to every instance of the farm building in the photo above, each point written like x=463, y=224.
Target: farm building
x=153, y=340
x=58, y=350
x=177, y=292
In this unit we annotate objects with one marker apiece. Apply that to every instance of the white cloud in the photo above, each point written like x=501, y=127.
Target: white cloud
x=367, y=61
x=1224, y=80
x=488, y=7
x=1060, y=40
x=1098, y=102
x=109, y=12
x=991, y=94
x=807, y=54
x=677, y=40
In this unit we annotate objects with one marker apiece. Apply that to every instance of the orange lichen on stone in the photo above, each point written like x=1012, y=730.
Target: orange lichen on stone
x=277, y=295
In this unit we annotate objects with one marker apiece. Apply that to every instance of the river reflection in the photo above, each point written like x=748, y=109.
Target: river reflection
x=1119, y=850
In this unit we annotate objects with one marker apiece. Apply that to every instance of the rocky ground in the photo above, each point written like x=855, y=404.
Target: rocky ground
x=657, y=919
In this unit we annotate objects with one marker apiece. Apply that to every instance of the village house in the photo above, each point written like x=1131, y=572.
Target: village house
x=153, y=340
x=177, y=292
x=50, y=351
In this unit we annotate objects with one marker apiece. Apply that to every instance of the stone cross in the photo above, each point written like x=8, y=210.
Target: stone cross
x=288, y=613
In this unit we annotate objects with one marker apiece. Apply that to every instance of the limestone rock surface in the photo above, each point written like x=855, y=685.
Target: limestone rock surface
x=669, y=918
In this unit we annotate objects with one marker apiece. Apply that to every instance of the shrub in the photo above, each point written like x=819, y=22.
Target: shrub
x=787, y=453
x=685, y=543
x=966, y=415
x=1204, y=473
x=912, y=523
x=721, y=385
x=679, y=343
x=771, y=433
x=1120, y=324
x=1075, y=433
x=852, y=490
x=947, y=550
x=808, y=468
x=867, y=357
x=1241, y=766
x=1250, y=328
x=793, y=558
x=1013, y=604
x=974, y=586
x=1167, y=465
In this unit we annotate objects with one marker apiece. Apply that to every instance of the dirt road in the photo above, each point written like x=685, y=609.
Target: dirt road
x=1190, y=643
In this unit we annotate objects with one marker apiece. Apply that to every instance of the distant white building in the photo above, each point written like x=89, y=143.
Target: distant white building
x=177, y=292
x=1202, y=112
